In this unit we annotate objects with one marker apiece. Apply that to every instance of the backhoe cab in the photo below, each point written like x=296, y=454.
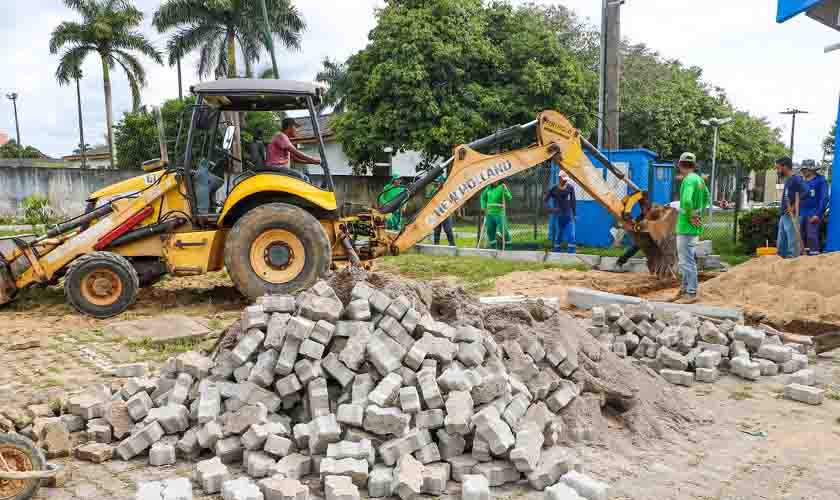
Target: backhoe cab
x=274, y=229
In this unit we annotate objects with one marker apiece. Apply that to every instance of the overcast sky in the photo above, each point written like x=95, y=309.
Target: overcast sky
x=764, y=67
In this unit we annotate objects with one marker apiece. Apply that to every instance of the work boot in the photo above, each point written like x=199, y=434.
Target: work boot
x=677, y=297
x=687, y=299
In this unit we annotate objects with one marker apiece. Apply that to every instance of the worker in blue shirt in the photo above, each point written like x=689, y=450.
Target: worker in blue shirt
x=813, y=206
x=560, y=202
x=793, y=193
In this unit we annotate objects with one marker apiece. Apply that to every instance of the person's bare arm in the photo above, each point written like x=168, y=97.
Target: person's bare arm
x=297, y=155
x=301, y=157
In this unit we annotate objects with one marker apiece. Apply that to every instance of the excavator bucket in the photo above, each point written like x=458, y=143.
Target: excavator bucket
x=659, y=242
x=8, y=289
x=7, y=283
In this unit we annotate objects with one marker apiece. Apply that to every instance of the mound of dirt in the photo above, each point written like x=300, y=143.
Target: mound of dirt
x=782, y=291
x=618, y=399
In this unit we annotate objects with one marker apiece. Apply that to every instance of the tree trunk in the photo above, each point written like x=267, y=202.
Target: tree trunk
x=82, y=149
x=109, y=118
x=233, y=117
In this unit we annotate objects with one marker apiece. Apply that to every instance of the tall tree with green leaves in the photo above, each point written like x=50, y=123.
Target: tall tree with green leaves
x=64, y=74
x=219, y=29
x=109, y=28
x=334, y=75
x=438, y=73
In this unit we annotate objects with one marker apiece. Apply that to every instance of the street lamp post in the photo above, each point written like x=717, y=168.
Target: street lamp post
x=715, y=124
x=13, y=97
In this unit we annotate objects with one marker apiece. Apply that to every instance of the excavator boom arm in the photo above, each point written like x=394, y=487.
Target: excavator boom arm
x=472, y=171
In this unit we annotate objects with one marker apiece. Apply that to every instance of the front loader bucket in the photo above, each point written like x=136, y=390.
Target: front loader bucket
x=8, y=289
x=659, y=241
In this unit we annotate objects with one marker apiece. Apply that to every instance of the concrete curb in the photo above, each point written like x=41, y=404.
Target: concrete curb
x=537, y=256
x=584, y=298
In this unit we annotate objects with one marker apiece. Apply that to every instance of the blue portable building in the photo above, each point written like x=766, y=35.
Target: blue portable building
x=593, y=220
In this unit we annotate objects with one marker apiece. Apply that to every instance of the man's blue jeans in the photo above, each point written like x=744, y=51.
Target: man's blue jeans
x=787, y=244
x=686, y=245
x=563, y=232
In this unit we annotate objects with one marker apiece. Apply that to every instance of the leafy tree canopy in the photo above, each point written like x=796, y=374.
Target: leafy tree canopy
x=12, y=150
x=438, y=73
x=443, y=72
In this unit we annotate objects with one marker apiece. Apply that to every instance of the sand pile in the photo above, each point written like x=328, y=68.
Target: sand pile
x=783, y=291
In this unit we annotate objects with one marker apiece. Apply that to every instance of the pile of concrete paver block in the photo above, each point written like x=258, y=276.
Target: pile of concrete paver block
x=372, y=396
x=685, y=348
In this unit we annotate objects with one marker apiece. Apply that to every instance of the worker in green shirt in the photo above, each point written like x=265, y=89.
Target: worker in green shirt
x=494, y=200
x=694, y=198
x=389, y=192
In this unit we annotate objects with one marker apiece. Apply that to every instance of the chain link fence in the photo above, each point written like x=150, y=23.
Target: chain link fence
x=528, y=222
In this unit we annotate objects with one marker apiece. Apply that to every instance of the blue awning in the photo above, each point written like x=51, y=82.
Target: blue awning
x=789, y=9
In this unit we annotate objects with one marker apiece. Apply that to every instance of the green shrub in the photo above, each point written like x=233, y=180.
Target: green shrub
x=758, y=227
x=36, y=210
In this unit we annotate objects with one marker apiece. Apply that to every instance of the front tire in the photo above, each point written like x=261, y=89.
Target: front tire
x=277, y=249
x=101, y=284
x=22, y=456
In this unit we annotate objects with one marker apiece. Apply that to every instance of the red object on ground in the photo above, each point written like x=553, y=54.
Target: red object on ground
x=123, y=228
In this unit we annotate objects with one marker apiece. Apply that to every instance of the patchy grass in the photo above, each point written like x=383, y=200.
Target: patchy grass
x=149, y=350
x=832, y=394
x=745, y=392
x=476, y=273
x=30, y=298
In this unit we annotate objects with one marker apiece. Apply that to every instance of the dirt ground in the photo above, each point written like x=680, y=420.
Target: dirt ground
x=756, y=446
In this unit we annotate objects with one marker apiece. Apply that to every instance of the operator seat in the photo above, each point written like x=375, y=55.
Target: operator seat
x=256, y=150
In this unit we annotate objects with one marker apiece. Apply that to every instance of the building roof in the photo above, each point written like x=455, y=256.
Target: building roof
x=99, y=150
x=306, y=132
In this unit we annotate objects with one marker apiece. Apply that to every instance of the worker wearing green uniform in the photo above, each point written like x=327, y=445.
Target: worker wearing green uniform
x=390, y=192
x=494, y=200
x=694, y=199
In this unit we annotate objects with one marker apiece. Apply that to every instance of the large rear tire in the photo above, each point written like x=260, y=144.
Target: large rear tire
x=101, y=284
x=276, y=248
x=21, y=456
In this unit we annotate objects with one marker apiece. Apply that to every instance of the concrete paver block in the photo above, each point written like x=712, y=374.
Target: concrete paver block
x=804, y=394
x=211, y=474
x=586, y=486
x=475, y=487
x=340, y=488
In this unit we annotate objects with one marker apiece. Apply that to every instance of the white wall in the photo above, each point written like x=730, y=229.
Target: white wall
x=402, y=164
x=90, y=164
x=405, y=164
x=338, y=162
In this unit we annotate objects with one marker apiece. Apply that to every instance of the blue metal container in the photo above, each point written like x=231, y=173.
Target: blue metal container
x=593, y=220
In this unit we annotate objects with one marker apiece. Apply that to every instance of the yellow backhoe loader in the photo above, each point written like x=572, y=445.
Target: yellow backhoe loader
x=273, y=229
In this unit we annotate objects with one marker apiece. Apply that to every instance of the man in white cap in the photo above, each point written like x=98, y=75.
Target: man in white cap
x=560, y=202
x=694, y=198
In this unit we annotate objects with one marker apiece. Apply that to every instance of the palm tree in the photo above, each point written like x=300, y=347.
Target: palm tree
x=334, y=74
x=71, y=70
x=108, y=28
x=216, y=27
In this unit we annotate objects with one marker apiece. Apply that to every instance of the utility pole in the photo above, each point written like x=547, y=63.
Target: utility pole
x=609, y=102
x=793, y=112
